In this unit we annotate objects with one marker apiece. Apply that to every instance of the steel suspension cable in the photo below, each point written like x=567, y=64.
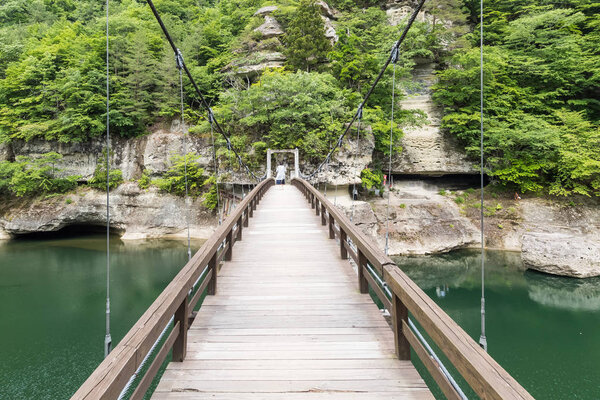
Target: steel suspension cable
x=372, y=88
x=482, y=338
x=107, y=337
x=197, y=89
x=387, y=217
x=179, y=63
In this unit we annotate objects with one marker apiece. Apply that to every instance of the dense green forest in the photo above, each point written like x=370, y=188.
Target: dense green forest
x=542, y=72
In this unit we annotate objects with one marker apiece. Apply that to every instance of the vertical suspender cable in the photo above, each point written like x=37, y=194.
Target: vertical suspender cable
x=387, y=217
x=354, y=191
x=212, y=137
x=179, y=63
x=482, y=338
x=107, y=338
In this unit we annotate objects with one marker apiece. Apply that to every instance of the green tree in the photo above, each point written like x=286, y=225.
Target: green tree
x=305, y=38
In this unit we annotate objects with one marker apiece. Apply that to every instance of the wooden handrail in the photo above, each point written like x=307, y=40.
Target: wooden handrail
x=485, y=376
x=112, y=375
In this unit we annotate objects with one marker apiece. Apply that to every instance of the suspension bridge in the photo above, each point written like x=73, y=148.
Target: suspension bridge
x=278, y=303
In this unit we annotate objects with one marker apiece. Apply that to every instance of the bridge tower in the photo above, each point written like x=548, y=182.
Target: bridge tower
x=296, y=173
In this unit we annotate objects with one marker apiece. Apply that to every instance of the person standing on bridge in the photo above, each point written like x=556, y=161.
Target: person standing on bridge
x=280, y=174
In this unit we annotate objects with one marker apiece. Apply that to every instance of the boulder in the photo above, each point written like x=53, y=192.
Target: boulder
x=562, y=254
x=326, y=10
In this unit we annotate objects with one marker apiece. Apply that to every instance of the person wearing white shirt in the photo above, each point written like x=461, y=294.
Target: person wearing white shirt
x=280, y=174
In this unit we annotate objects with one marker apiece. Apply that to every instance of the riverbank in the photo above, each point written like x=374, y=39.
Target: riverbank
x=134, y=214
x=553, y=235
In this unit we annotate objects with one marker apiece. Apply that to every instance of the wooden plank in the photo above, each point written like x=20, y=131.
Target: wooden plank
x=288, y=319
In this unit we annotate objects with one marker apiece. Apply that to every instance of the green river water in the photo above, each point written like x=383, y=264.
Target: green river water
x=544, y=330
x=52, y=302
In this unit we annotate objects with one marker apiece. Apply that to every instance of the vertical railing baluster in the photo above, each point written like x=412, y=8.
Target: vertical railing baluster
x=343, y=250
x=180, y=345
x=399, y=314
x=363, y=284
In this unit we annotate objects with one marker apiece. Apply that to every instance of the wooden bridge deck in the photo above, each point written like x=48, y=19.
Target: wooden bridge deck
x=288, y=321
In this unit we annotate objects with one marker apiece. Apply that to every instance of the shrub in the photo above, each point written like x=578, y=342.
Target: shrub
x=144, y=181
x=173, y=181
x=28, y=176
x=98, y=181
x=371, y=179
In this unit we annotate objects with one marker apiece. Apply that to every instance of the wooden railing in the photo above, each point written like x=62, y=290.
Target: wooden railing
x=176, y=302
x=485, y=376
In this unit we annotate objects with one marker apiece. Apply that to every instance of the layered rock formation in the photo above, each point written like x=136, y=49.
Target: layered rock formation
x=427, y=150
x=135, y=214
x=265, y=50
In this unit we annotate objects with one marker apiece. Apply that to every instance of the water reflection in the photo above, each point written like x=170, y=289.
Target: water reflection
x=564, y=293
x=542, y=329
x=503, y=270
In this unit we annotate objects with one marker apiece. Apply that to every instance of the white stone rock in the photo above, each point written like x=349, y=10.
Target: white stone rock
x=562, y=254
x=134, y=212
x=270, y=28
x=265, y=10
x=426, y=150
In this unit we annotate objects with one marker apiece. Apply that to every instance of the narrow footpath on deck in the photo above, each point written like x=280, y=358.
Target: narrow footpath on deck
x=288, y=321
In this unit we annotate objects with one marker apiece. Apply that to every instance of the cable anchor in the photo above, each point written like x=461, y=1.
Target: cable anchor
x=395, y=53
x=179, y=59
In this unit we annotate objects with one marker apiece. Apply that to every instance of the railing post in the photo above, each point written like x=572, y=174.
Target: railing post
x=253, y=206
x=399, y=314
x=214, y=267
x=331, y=230
x=317, y=207
x=343, y=251
x=240, y=228
x=363, y=285
x=323, y=216
x=229, y=251
x=180, y=345
x=312, y=200
x=246, y=216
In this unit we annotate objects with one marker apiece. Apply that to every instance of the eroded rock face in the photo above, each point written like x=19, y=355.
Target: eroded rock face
x=426, y=149
x=270, y=28
x=562, y=254
x=265, y=10
x=139, y=214
x=131, y=156
x=399, y=10
x=354, y=156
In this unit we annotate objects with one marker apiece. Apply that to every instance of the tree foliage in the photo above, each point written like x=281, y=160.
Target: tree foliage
x=28, y=176
x=305, y=38
x=542, y=97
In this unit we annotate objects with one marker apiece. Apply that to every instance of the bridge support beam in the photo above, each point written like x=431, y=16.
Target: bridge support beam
x=399, y=314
